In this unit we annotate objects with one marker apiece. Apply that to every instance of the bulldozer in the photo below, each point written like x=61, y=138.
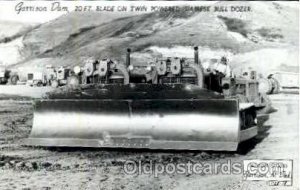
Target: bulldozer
x=167, y=104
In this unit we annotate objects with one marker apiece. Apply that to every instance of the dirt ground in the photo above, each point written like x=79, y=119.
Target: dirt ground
x=64, y=168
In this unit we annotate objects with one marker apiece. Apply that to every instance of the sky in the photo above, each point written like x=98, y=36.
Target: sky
x=8, y=8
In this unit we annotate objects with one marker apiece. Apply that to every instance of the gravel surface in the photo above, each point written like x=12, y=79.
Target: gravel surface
x=90, y=168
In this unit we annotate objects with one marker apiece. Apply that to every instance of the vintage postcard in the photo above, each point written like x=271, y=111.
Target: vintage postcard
x=149, y=95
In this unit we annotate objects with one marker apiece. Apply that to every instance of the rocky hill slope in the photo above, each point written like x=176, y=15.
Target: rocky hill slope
x=264, y=39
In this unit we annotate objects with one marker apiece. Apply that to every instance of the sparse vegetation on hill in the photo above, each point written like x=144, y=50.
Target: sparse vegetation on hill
x=67, y=40
x=236, y=25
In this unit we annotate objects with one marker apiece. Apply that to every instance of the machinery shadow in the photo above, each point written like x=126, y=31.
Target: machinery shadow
x=127, y=151
x=272, y=110
x=263, y=132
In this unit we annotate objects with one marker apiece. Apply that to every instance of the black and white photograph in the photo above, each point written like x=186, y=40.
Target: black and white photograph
x=164, y=95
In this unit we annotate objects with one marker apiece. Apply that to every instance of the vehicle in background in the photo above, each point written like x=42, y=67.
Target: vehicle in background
x=50, y=74
x=8, y=77
x=288, y=81
x=38, y=78
x=4, y=75
x=280, y=82
x=61, y=78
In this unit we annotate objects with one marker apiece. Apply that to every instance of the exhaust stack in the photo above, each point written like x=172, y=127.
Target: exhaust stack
x=196, y=55
x=128, y=57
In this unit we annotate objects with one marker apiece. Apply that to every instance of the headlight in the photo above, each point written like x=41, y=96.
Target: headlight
x=77, y=70
x=130, y=68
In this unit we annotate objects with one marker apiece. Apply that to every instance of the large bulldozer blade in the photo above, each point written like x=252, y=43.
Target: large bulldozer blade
x=192, y=124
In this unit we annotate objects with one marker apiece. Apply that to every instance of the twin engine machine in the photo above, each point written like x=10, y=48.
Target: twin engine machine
x=172, y=103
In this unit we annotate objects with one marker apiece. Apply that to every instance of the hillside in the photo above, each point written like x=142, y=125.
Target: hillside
x=11, y=30
x=243, y=37
x=11, y=35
